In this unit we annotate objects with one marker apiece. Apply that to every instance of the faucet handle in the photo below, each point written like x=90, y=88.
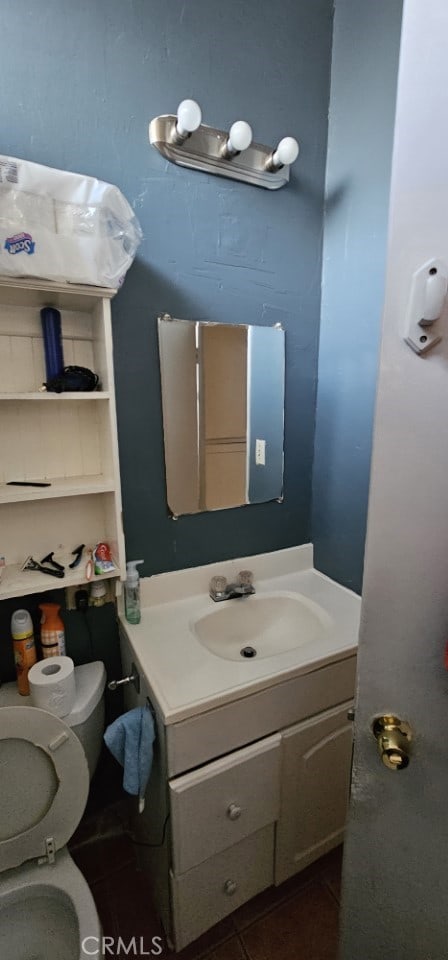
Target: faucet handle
x=245, y=578
x=218, y=585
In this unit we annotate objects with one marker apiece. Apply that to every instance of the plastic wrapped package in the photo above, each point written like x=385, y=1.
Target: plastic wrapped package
x=62, y=226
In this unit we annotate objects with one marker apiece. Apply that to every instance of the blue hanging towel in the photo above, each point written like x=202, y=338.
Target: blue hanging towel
x=130, y=740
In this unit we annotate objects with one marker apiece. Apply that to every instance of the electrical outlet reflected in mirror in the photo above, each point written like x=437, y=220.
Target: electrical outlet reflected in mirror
x=223, y=389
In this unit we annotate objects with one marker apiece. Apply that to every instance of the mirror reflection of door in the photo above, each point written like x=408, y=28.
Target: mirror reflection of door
x=223, y=412
x=222, y=415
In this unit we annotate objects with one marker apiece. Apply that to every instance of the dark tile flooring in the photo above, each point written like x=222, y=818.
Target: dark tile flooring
x=297, y=921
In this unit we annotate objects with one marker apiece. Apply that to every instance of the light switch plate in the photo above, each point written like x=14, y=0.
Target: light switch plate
x=260, y=453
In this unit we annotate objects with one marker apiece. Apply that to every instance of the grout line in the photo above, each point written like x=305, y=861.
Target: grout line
x=243, y=948
x=279, y=903
x=209, y=951
x=330, y=890
x=105, y=876
x=110, y=834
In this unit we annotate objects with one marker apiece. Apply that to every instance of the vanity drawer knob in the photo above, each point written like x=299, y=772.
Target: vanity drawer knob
x=230, y=887
x=233, y=811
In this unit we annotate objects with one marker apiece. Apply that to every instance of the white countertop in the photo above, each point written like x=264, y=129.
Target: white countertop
x=186, y=678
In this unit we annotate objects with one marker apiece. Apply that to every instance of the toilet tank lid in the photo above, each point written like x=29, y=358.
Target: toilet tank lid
x=90, y=679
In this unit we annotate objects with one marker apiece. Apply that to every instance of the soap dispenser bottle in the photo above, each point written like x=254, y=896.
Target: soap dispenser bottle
x=132, y=592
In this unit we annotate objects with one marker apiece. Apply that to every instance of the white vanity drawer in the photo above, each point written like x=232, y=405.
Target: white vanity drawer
x=214, y=889
x=219, y=804
x=207, y=735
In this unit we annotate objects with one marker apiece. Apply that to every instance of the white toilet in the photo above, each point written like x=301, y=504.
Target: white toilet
x=46, y=908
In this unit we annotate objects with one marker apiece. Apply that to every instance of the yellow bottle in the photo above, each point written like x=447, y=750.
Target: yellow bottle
x=24, y=648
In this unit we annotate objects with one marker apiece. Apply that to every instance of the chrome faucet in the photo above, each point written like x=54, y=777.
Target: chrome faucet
x=242, y=587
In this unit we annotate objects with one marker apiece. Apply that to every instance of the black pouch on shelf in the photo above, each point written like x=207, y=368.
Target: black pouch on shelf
x=73, y=379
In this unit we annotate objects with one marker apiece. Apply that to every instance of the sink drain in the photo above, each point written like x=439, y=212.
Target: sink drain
x=248, y=652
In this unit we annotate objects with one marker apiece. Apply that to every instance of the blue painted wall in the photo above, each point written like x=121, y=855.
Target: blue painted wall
x=362, y=106
x=80, y=81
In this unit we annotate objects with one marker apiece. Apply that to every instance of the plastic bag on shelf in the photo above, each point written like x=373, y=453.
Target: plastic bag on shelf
x=62, y=226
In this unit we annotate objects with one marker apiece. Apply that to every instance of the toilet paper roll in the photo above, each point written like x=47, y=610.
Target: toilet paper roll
x=52, y=685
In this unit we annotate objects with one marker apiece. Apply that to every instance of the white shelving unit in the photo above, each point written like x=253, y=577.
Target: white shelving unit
x=46, y=397
x=68, y=440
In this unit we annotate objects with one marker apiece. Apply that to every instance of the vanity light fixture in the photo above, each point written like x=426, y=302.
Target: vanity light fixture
x=185, y=140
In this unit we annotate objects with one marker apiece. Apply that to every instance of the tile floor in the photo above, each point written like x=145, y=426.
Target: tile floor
x=297, y=921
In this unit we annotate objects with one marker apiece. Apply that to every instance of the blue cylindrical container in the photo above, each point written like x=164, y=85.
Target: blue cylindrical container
x=51, y=329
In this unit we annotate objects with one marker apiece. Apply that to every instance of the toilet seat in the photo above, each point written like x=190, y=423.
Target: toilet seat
x=44, y=785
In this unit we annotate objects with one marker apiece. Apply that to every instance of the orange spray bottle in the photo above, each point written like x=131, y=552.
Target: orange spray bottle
x=24, y=648
x=52, y=635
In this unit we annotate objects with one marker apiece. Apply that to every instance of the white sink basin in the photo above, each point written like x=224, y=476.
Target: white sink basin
x=189, y=648
x=262, y=626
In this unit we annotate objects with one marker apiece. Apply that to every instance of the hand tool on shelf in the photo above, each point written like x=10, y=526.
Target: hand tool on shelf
x=32, y=564
x=54, y=563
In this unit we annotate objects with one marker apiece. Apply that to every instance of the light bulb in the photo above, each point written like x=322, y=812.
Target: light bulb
x=285, y=154
x=189, y=118
x=240, y=136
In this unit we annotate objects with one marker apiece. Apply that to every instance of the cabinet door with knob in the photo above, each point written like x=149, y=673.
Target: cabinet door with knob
x=316, y=762
x=219, y=804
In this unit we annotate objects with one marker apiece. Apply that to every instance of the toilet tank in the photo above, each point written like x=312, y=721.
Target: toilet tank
x=87, y=717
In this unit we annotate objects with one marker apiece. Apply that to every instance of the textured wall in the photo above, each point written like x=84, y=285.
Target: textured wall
x=362, y=106
x=80, y=81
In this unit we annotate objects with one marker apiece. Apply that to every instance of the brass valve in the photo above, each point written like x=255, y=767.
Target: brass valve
x=393, y=737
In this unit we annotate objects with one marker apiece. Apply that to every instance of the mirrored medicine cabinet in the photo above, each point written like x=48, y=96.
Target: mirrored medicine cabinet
x=223, y=388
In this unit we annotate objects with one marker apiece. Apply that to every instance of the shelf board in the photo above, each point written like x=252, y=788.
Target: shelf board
x=57, y=397
x=18, y=291
x=16, y=582
x=60, y=487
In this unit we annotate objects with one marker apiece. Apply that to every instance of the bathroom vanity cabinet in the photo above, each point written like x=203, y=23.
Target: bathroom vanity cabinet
x=66, y=439
x=245, y=795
